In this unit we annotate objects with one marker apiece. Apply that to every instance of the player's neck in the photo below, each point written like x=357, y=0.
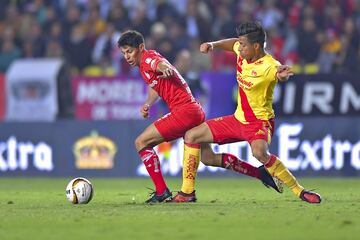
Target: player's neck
x=257, y=57
x=140, y=57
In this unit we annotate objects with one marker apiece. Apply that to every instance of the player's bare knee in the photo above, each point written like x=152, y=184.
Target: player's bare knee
x=140, y=143
x=260, y=155
x=190, y=137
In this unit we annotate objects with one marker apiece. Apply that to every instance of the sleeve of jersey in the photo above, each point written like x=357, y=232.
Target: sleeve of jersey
x=236, y=48
x=155, y=62
x=151, y=62
x=272, y=71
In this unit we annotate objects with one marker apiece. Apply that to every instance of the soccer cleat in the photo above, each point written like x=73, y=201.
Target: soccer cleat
x=310, y=197
x=159, y=198
x=182, y=197
x=270, y=181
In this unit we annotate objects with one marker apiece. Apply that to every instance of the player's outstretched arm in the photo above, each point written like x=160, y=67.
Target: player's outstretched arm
x=224, y=44
x=151, y=99
x=284, y=72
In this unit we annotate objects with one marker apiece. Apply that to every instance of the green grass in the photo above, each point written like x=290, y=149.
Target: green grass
x=227, y=209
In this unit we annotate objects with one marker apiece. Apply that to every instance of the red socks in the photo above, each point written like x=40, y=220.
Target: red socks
x=152, y=164
x=229, y=161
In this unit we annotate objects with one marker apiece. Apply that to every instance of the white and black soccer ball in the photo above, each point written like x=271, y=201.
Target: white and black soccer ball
x=79, y=191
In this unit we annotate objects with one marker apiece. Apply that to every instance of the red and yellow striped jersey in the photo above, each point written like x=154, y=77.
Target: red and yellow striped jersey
x=256, y=83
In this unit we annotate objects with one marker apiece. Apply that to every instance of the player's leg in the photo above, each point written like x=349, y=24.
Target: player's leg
x=228, y=129
x=227, y=161
x=260, y=150
x=231, y=162
x=192, y=140
x=144, y=144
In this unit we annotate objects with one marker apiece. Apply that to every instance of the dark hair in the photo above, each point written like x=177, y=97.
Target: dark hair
x=253, y=31
x=130, y=38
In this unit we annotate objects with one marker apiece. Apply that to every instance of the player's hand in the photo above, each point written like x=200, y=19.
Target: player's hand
x=284, y=72
x=144, y=110
x=206, y=47
x=166, y=72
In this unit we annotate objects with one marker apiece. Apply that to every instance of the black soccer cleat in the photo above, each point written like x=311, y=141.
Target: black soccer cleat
x=270, y=181
x=159, y=198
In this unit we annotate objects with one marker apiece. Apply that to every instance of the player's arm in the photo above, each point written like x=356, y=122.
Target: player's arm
x=151, y=99
x=284, y=72
x=165, y=68
x=224, y=44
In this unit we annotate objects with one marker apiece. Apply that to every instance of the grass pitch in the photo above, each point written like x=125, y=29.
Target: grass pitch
x=226, y=209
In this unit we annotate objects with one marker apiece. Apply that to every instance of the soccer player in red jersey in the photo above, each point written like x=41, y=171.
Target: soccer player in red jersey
x=253, y=120
x=185, y=113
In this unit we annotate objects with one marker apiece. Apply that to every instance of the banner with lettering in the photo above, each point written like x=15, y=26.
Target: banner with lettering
x=108, y=98
x=301, y=95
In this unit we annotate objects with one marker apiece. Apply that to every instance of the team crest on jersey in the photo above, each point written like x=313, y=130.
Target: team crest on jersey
x=260, y=132
x=148, y=60
x=259, y=62
x=253, y=73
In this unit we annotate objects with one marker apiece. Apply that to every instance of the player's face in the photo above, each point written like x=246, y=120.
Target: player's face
x=131, y=55
x=246, y=48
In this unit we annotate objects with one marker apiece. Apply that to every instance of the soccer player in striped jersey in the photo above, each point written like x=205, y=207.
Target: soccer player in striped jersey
x=253, y=120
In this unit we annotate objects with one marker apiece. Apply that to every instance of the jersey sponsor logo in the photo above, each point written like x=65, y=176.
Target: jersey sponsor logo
x=243, y=82
x=153, y=83
x=259, y=62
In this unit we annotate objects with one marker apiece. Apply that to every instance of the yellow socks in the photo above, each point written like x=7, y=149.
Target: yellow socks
x=190, y=166
x=277, y=169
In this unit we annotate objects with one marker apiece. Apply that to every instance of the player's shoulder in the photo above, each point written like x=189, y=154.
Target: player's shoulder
x=270, y=61
x=150, y=57
x=151, y=54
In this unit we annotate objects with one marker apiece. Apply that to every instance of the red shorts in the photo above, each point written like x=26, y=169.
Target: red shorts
x=228, y=129
x=175, y=124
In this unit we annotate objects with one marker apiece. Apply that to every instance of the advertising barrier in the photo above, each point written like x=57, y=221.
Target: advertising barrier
x=31, y=90
x=318, y=146
x=302, y=95
x=108, y=98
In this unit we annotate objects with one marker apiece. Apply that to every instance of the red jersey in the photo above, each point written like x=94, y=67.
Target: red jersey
x=174, y=90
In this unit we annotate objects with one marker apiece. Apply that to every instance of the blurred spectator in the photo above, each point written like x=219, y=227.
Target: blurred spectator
x=349, y=58
x=329, y=52
x=308, y=42
x=78, y=49
x=183, y=65
x=297, y=29
x=8, y=53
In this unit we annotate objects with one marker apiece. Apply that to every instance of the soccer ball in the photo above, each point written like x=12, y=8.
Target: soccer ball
x=79, y=191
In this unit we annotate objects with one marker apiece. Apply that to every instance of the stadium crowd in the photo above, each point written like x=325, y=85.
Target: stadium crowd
x=312, y=35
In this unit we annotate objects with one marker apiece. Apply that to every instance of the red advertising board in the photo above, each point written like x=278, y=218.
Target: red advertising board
x=108, y=98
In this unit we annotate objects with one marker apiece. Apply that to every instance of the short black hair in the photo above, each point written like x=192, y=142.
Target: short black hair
x=130, y=38
x=253, y=31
